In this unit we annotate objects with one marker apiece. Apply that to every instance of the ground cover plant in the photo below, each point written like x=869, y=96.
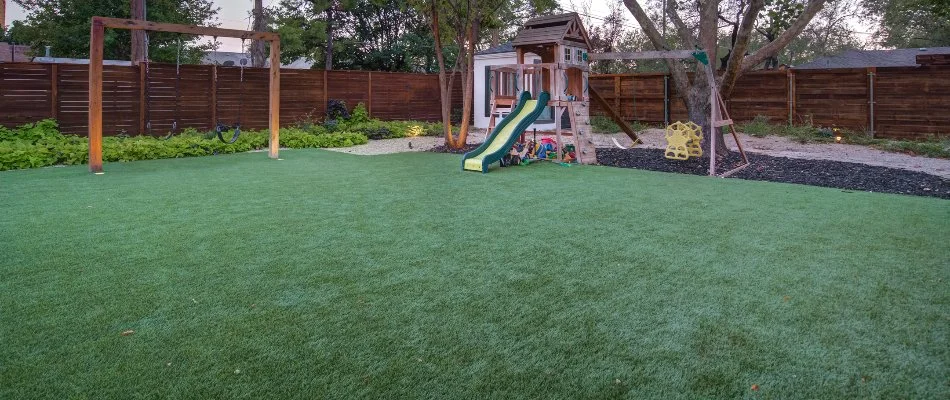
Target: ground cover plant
x=343, y=276
x=761, y=126
x=41, y=144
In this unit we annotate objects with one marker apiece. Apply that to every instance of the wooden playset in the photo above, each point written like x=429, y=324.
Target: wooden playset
x=562, y=44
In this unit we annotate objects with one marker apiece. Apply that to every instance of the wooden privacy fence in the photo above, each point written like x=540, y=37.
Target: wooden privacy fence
x=149, y=99
x=898, y=102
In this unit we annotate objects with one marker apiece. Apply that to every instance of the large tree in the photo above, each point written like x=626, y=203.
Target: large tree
x=362, y=34
x=462, y=24
x=700, y=29
x=64, y=25
x=910, y=23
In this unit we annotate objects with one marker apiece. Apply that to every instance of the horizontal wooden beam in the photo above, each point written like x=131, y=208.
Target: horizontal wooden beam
x=641, y=55
x=130, y=24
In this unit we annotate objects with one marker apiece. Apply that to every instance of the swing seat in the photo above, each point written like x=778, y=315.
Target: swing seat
x=677, y=139
x=695, y=133
x=221, y=128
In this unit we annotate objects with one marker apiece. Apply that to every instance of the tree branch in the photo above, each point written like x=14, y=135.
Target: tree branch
x=681, y=27
x=771, y=49
x=680, y=79
x=740, y=47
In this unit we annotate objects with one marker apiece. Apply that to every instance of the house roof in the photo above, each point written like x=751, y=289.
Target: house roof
x=553, y=29
x=502, y=48
x=873, y=58
x=229, y=58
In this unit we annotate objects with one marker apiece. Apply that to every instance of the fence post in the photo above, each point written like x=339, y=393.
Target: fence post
x=666, y=100
x=141, y=66
x=369, y=101
x=790, y=90
x=214, y=96
x=617, y=91
x=871, y=73
x=54, y=91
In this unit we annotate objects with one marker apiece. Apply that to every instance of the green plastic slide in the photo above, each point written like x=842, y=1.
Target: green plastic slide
x=503, y=137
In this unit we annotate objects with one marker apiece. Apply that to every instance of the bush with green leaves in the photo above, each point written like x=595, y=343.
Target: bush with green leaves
x=602, y=124
x=41, y=144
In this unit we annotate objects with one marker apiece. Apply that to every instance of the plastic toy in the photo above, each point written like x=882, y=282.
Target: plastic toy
x=695, y=139
x=677, y=137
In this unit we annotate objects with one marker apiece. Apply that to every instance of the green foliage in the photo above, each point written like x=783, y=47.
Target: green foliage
x=602, y=124
x=376, y=129
x=759, y=127
x=40, y=144
x=64, y=25
x=910, y=23
x=359, y=114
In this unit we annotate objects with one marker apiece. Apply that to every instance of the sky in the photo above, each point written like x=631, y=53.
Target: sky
x=235, y=14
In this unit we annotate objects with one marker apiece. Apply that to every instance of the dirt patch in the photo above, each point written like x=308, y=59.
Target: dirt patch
x=835, y=174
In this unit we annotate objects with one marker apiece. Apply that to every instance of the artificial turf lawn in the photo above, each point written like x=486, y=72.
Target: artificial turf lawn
x=330, y=275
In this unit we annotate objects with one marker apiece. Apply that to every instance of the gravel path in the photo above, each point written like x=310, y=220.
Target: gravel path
x=775, y=146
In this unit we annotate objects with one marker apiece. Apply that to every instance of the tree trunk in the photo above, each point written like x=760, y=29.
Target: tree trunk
x=468, y=71
x=445, y=82
x=257, y=47
x=328, y=57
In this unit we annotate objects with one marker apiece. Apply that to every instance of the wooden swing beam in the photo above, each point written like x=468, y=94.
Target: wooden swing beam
x=97, y=33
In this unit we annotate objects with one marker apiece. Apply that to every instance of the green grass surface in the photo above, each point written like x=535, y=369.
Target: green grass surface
x=330, y=275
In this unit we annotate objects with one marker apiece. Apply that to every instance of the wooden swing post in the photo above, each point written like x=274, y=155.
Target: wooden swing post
x=97, y=33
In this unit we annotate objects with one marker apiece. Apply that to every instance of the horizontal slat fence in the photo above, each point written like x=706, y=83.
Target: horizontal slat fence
x=152, y=99
x=907, y=102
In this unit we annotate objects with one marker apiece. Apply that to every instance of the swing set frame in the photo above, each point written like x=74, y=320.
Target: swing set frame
x=718, y=115
x=97, y=34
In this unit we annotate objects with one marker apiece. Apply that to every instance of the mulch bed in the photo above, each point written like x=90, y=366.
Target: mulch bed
x=835, y=174
x=445, y=149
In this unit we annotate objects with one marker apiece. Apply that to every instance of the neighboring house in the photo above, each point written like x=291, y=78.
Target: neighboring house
x=14, y=53
x=873, y=58
x=230, y=58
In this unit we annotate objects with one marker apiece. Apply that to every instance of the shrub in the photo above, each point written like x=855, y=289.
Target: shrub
x=376, y=129
x=758, y=127
x=336, y=109
x=602, y=124
x=38, y=145
x=359, y=114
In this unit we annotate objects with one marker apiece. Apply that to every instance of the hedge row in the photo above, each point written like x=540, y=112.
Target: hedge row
x=41, y=144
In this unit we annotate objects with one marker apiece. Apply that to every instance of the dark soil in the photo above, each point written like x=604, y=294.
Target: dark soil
x=835, y=174
x=445, y=149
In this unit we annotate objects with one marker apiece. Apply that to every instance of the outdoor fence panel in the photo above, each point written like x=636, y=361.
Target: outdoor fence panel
x=909, y=103
x=350, y=86
x=154, y=99
x=837, y=98
x=764, y=94
x=912, y=102
x=24, y=93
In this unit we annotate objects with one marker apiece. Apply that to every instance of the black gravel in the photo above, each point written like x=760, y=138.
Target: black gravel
x=835, y=174
x=445, y=149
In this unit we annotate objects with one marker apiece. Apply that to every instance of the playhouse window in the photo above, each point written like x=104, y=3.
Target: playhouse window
x=505, y=85
x=578, y=56
x=567, y=54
